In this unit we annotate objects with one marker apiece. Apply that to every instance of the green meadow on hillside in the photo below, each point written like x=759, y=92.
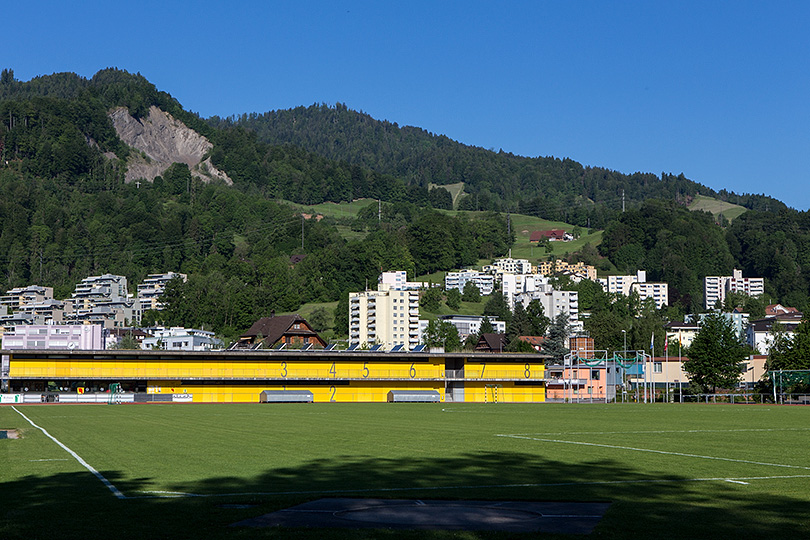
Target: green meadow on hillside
x=717, y=207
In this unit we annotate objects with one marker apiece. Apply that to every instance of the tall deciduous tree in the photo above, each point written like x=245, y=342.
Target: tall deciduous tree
x=471, y=292
x=453, y=298
x=715, y=356
x=790, y=352
x=442, y=334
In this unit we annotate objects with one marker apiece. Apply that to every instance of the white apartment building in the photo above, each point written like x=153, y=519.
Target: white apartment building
x=398, y=281
x=555, y=303
x=153, y=287
x=715, y=288
x=508, y=265
x=457, y=280
x=624, y=285
x=658, y=291
x=471, y=324
x=385, y=317
x=513, y=285
x=182, y=339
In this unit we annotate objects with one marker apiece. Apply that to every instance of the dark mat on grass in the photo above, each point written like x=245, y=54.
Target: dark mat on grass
x=510, y=516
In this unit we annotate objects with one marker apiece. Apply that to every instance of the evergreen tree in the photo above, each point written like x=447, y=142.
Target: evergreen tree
x=538, y=322
x=486, y=327
x=498, y=307
x=556, y=342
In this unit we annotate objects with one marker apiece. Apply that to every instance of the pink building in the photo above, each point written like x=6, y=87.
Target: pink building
x=581, y=382
x=54, y=336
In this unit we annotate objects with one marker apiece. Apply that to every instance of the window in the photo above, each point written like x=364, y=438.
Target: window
x=657, y=367
x=595, y=374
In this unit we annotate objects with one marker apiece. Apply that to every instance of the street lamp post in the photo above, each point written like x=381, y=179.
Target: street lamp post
x=624, y=357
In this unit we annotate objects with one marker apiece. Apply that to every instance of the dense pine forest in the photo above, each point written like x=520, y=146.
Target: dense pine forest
x=66, y=212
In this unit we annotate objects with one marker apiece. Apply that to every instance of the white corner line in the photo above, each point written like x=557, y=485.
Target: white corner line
x=78, y=458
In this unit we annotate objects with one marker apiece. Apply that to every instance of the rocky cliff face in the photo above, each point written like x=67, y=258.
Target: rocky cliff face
x=163, y=140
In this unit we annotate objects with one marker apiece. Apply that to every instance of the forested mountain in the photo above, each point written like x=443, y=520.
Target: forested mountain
x=66, y=211
x=682, y=247
x=548, y=187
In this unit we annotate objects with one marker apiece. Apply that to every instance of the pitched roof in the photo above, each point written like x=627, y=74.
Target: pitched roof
x=273, y=329
x=557, y=234
x=534, y=340
x=491, y=342
x=778, y=309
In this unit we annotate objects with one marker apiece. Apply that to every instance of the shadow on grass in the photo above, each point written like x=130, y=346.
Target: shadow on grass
x=77, y=505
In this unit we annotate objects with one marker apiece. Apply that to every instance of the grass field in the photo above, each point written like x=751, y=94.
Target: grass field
x=716, y=206
x=670, y=471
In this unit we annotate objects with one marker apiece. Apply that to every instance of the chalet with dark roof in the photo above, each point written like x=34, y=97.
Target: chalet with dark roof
x=491, y=343
x=293, y=331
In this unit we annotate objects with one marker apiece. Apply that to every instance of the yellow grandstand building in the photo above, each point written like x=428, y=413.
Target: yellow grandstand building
x=262, y=375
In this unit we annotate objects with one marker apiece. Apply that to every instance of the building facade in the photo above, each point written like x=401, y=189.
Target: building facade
x=626, y=284
x=182, y=339
x=471, y=324
x=152, y=288
x=389, y=318
x=25, y=296
x=457, y=280
x=89, y=337
x=242, y=376
x=715, y=288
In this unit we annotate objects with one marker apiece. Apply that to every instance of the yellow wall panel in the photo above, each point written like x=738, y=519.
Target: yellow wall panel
x=363, y=379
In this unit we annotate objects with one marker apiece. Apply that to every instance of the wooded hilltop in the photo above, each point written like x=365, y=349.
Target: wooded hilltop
x=66, y=211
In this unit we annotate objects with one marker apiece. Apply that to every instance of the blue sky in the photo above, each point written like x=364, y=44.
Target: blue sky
x=718, y=91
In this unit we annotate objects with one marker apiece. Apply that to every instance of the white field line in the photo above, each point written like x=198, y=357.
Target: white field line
x=682, y=454
x=78, y=458
x=741, y=480
x=654, y=432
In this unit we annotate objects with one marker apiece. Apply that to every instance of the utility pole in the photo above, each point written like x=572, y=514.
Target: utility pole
x=302, y=231
x=622, y=200
x=379, y=210
x=508, y=225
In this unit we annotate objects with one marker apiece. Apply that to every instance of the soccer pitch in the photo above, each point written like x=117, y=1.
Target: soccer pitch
x=190, y=471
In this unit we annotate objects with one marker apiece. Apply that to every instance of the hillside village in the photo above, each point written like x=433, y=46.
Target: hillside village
x=101, y=314
x=106, y=182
